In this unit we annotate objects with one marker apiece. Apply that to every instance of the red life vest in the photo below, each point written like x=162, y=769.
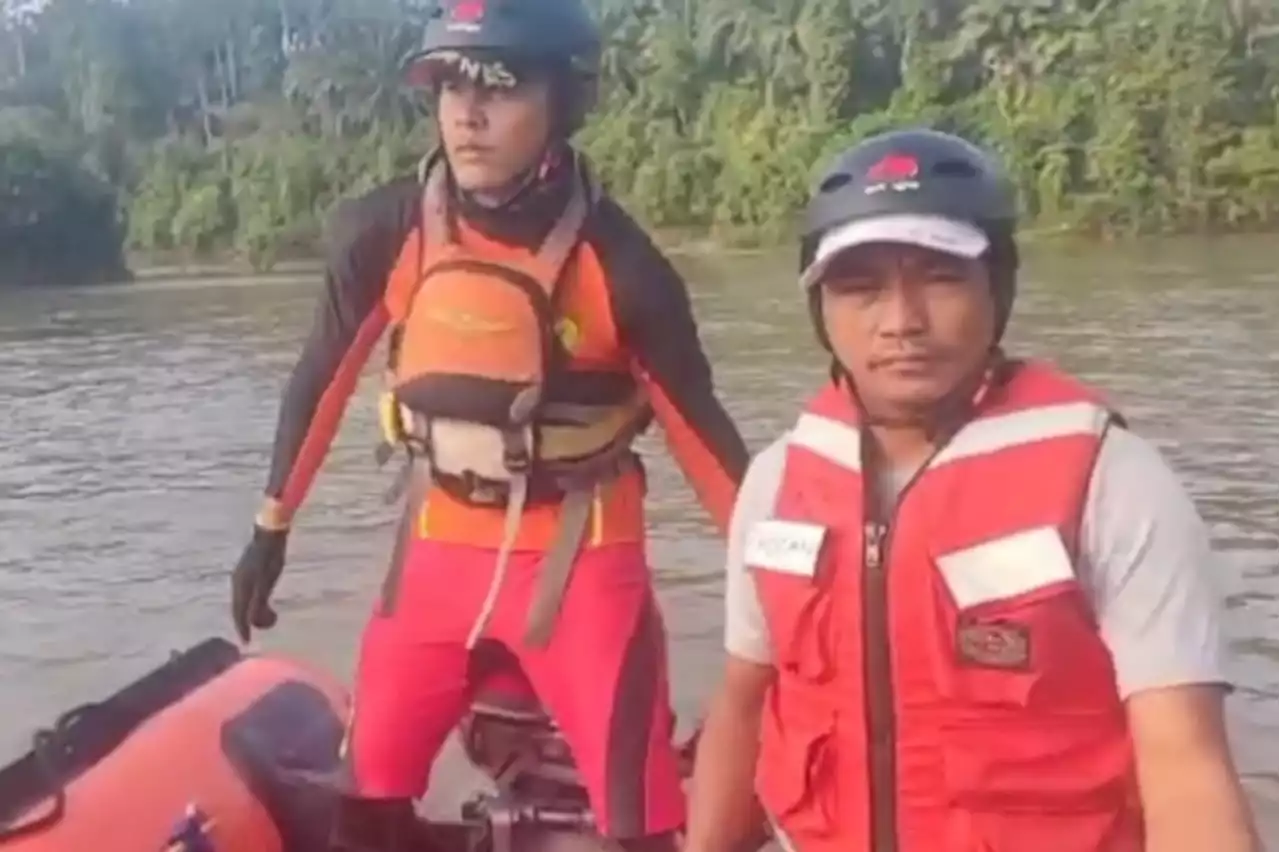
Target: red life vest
x=942, y=686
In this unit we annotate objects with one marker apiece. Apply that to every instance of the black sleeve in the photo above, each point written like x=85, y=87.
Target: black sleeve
x=655, y=319
x=363, y=241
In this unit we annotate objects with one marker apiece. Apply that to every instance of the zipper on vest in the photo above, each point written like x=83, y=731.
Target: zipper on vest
x=873, y=552
x=878, y=690
x=877, y=683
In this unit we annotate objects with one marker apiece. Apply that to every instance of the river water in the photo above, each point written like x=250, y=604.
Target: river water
x=139, y=418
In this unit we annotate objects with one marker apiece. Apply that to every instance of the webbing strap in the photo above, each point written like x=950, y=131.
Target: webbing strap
x=431, y=175
x=557, y=566
x=418, y=481
x=555, y=570
x=510, y=529
x=560, y=240
x=563, y=236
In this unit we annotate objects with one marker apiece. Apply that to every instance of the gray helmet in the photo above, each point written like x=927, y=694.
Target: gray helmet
x=551, y=31
x=921, y=172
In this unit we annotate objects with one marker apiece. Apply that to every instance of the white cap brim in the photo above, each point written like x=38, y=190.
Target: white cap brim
x=949, y=236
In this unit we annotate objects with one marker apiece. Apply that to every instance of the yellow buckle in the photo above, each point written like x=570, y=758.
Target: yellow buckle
x=389, y=419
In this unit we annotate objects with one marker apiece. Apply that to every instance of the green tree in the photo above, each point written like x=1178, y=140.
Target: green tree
x=232, y=128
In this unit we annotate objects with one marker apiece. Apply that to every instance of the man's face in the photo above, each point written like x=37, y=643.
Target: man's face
x=493, y=134
x=911, y=325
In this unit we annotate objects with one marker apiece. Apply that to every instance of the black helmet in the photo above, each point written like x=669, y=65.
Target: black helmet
x=534, y=30
x=918, y=173
x=913, y=171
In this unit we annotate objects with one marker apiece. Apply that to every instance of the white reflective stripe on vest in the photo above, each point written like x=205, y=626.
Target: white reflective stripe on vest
x=989, y=435
x=835, y=441
x=1006, y=567
x=841, y=443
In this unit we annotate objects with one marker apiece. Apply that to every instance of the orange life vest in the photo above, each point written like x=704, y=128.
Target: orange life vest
x=942, y=686
x=476, y=344
x=477, y=355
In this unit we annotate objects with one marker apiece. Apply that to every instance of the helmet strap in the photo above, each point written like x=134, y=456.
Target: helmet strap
x=524, y=184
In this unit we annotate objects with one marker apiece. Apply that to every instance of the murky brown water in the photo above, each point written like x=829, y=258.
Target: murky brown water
x=138, y=421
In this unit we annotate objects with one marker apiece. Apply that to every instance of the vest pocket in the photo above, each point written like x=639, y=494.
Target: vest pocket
x=798, y=612
x=1014, y=627
x=1042, y=783
x=1034, y=747
x=1040, y=763
x=795, y=778
x=1039, y=652
x=1103, y=830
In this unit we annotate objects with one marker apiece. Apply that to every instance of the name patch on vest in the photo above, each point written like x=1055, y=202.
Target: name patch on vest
x=993, y=645
x=788, y=547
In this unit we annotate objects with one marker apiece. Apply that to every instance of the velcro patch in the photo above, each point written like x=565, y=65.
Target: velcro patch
x=993, y=645
x=786, y=546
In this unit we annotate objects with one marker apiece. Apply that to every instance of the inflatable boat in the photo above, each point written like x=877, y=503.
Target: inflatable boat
x=219, y=751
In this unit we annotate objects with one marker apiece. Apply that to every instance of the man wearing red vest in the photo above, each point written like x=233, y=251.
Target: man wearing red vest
x=967, y=609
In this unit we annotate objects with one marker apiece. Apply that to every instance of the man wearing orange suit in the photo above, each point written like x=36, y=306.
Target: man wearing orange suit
x=536, y=331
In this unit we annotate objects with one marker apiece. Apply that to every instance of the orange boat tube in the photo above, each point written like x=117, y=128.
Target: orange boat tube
x=197, y=756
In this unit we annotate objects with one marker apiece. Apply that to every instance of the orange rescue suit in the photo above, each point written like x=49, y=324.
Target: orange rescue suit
x=942, y=686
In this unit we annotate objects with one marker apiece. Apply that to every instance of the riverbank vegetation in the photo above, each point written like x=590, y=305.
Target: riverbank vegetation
x=193, y=128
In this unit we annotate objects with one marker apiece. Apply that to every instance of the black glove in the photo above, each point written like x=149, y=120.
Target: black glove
x=254, y=578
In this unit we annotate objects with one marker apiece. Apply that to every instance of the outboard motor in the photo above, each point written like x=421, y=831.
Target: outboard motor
x=512, y=739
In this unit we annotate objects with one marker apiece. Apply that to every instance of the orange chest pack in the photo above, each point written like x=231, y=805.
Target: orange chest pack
x=475, y=341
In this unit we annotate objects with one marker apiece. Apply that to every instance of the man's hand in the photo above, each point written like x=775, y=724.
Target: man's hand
x=1191, y=796
x=259, y=569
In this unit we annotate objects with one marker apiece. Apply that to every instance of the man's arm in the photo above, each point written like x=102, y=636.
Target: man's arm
x=724, y=815
x=655, y=318
x=1191, y=795
x=1149, y=569
x=363, y=242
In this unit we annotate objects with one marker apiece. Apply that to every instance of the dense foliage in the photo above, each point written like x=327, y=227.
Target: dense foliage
x=236, y=124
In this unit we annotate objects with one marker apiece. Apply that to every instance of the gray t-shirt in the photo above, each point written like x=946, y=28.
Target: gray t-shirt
x=1145, y=562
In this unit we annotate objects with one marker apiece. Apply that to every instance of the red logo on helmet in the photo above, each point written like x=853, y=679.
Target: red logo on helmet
x=468, y=11
x=894, y=167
